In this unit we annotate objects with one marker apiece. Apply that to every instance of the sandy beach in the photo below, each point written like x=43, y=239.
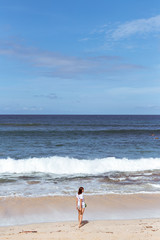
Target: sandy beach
x=106, y=217
x=147, y=229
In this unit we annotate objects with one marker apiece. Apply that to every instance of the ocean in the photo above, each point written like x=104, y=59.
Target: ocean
x=48, y=155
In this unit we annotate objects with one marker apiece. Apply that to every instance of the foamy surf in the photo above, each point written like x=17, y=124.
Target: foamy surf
x=63, y=175
x=72, y=166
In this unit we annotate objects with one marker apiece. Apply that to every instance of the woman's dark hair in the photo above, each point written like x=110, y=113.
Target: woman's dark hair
x=80, y=190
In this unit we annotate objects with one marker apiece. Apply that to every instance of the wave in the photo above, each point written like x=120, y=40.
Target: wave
x=71, y=132
x=23, y=124
x=71, y=166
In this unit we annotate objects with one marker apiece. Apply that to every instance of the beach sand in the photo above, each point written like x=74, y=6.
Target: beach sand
x=146, y=229
x=106, y=217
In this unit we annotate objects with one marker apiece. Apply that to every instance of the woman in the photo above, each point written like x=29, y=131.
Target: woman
x=80, y=205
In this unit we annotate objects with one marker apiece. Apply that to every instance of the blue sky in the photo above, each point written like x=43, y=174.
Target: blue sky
x=79, y=57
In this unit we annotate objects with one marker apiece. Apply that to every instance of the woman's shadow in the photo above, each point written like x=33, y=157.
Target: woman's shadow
x=84, y=223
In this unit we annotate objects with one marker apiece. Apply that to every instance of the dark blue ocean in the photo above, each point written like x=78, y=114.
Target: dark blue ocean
x=54, y=154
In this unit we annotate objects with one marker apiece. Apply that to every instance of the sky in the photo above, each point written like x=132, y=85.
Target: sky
x=79, y=57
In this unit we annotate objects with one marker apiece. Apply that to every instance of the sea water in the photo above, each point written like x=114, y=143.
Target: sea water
x=42, y=155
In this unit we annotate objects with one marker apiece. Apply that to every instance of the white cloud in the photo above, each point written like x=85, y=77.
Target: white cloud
x=134, y=91
x=51, y=96
x=139, y=26
x=149, y=107
x=30, y=108
x=111, y=32
x=84, y=39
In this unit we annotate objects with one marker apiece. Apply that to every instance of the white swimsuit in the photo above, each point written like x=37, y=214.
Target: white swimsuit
x=80, y=196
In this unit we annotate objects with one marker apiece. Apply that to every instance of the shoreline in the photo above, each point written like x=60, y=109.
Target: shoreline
x=28, y=210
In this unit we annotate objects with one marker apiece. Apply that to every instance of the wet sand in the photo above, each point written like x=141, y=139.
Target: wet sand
x=20, y=210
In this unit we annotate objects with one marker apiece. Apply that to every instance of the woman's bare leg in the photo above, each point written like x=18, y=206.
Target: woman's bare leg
x=81, y=216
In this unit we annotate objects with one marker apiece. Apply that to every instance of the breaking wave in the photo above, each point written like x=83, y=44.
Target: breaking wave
x=72, y=166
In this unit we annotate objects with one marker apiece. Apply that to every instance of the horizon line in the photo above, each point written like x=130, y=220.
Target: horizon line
x=76, y=114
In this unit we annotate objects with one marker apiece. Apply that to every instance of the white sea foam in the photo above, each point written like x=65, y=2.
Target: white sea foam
x=155, y=185
x=66, y=165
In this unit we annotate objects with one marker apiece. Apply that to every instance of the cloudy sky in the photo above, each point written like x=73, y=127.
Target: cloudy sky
x=79, y=57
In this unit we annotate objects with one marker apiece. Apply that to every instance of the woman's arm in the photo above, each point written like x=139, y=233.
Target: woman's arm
x=80, y=204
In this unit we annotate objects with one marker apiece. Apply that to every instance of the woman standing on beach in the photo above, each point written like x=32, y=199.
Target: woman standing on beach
x=80, y=205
